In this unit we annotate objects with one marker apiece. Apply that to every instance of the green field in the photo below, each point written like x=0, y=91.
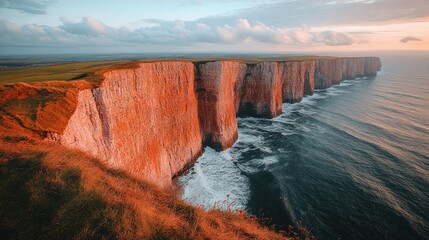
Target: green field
x=68, y=71
x=71, y=71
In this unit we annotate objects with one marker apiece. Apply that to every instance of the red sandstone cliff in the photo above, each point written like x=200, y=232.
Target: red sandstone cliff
x=217, y=85
x=142, y=120
x=353, y=68
x=154, y=118
x=372, y=65
x=261, y=91
x=297, y=80
x=328, y=72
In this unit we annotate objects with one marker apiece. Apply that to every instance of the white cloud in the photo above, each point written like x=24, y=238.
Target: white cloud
x=259, y=32
x=89, y=32
x=267, y=24
x=88, y=26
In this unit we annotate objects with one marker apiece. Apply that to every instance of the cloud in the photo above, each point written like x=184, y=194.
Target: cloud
x=88, y=27
x=292, y=13
x=336, y=38
x=160, y=32
x=410, y=38
x=28, y=6
x=34, y=35
x=91, y=32
x=243, y=31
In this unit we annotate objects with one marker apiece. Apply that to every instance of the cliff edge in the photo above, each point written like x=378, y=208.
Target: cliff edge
x=153, y=119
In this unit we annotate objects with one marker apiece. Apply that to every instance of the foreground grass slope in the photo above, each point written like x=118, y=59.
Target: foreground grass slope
x=50, y=192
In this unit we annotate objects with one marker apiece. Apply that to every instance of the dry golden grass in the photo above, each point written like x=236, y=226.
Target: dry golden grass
x=50, y=192
x=33, y=109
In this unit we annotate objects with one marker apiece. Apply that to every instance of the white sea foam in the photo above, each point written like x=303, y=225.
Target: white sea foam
x=264, y=161
x=215, y=181
x=248, y=138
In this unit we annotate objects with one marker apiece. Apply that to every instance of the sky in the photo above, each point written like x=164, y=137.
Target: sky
x=174, y=26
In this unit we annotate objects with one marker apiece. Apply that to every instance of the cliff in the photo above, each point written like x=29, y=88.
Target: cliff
x=329, y=72
x=143, y=120
x=297, y=80
x=261, y=91
x=152, y=119
x=218, y=85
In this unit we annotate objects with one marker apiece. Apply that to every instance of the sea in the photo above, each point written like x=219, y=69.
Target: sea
x=348, y=162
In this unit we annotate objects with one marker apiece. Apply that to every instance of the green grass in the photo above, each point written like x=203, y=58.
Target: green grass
x=66, y=72
x=272, y=59
x=71, y=71
x=246, y=59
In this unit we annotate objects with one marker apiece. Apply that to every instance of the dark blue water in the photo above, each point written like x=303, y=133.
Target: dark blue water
x=350, y=162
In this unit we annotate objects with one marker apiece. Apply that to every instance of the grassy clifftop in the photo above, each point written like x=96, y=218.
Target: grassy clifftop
x=80, y=70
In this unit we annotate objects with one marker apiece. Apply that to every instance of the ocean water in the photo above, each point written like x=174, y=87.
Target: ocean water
x=350, y=162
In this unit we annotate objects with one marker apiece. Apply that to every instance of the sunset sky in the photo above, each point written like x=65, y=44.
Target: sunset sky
x=107, y=26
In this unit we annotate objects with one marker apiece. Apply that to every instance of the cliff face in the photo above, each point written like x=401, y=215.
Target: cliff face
x=261, y=91
x=217, y=89
x=353, y=68
x=142, y=120
x=329, y=72
x=297, y=80
x=153, y=119
x=372, y=65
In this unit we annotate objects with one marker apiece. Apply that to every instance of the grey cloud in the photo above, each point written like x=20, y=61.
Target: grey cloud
x=336, y=38
x=33, y=35
x=292, y=13
x=90, y=31
x=242, y=31
x=29, y=6
x=88, y=27
x=410, y=38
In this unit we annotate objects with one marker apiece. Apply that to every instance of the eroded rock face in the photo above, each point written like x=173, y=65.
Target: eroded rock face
x=154, y=120
x=142, y=120
x=261, y=91
x=353, y=68
x=327, y=73
x=297, y=80
x=217, y=91
x=372, y=65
